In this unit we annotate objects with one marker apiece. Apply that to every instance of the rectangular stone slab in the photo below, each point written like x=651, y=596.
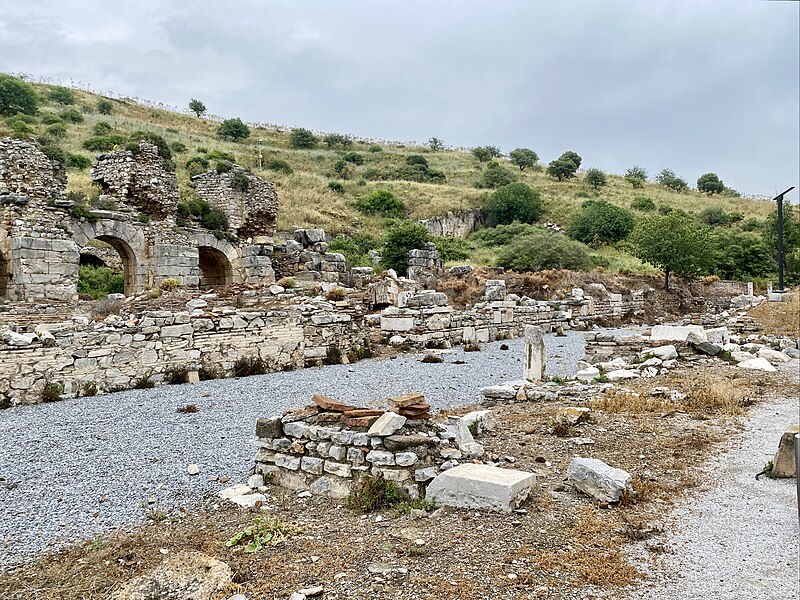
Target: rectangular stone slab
x=481, y=487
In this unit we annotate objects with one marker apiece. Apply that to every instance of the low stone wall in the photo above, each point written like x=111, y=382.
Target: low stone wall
x=84, y=357
x=326, y=447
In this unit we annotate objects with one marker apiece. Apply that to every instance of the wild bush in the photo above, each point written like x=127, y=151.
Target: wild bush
x=514, y=202
x=601, y=222
x=280, y=166
x=544, y=249
x=233, y=129
x=496, y=176
x=401, y=237
x=302, y=139
x=99, y=282
x=380, y=202
x=643, y=204
x=17, y=96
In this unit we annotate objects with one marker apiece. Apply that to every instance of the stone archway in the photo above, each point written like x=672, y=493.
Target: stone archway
x=4, y=275
x=128, y=242
x=215, y=268
x=128, y=261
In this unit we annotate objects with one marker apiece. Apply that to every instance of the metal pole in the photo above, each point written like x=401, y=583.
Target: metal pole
x=797, y=469
x=780, y=243
x=779, y=198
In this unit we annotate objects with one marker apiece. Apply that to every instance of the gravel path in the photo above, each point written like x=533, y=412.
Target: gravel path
x=76, y=468
x=739, y=539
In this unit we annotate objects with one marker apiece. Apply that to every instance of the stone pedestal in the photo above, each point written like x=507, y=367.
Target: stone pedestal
x=535, y=354
x=783, y=465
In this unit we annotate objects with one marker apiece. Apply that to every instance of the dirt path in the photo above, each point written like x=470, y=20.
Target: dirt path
x=738, y=539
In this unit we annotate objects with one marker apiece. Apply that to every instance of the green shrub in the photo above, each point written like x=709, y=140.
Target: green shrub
x=501, y=235
x=99, y=282
x=217, y=155
x=514, y=202
x=601, y=222
x=52, y=151
x=544, y=249
x=452, y=248
x=716, y=217
x=57, y=130
x=523, y=157
x=401, y=237
x=104, y=107
x=344, y=169
x=740, y=255
x=336, y=139
x=102, y=128
x=280, y=166
x=381, y=202
x=561, y=169
x=62, y=95
x=416, y=159
x=177, y=147
x=21, y=128
x=375, y=148
x=104, y=143
x=636, y=176
x=333, y=356
x=671, y=181
x=240, y=181
x=596, y=178
x=17, y=96
x=78, y=161
x=373, y=493
x=223, y=166
x=355, y=248
x=485, y=153
x=335, y=186
x=214, y=220
x=643, y=204
x=354, y=157
x=233, y=129
x=196, y=165
x=71, y=115
x=302, y=138
x=51, y=392
x=50, y=119
x=710, y=183
x=496, y=176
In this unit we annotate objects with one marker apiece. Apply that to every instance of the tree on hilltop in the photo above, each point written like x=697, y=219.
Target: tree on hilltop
x=302, y=138
x=197, y=107
x=17, y=96
x=435, y=144
x=233, y=129
x=636, y=176
x=596, y=178
x=486, y=153
x=523, y=157
x=710, y=183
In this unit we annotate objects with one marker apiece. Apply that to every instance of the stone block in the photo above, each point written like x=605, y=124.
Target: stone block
x=535, y=354
x=783, y=465
x=269, y=427
x=312, y=465
x=338, y=469
x=597, y=479
x=477, y=486
x=674, y=333
x=757, y=364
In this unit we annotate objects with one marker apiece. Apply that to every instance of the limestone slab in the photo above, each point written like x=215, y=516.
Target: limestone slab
x=481, y=487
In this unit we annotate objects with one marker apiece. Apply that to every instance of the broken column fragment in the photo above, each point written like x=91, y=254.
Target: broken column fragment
x=535, y=354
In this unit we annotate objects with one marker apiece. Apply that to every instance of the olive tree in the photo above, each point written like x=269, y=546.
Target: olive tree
x=523, y=157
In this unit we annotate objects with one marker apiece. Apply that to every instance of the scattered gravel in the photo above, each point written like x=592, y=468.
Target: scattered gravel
x=739, y=539
x=76, y=468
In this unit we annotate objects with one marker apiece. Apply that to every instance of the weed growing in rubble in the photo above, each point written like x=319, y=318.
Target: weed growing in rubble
x=51, y=391
x=359, y=352
x=473, y=428
x=373, y=493
x=143, y=383
x=89, y=388
x=336, y=294
x=176, y=375
x=249, y=365
x=405, y=507
x=264, y=531
x=333, y=356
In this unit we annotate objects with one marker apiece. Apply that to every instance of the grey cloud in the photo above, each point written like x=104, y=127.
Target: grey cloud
x=693, y=86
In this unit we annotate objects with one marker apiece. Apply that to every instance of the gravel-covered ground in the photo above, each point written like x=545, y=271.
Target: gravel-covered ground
x=76, y=468
x=740, y=538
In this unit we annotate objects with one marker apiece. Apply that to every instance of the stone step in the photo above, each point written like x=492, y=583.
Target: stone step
x=481, y=487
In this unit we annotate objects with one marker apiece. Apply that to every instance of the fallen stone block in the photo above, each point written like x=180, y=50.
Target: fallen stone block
x=674, y=333
x=773, y=356
x=758, y=364
x=621, y=374
x=185, y=575
x=597, y=479
x=663, y=352
x=700, y=343
x=501, y=392
x=387, y=424
x=587, y=374
x=783, y=465
x=481, y=487
x=572, y=415
x=483, y=420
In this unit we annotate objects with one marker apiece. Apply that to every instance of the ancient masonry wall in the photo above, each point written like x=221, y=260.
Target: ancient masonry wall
x=250, y=203
x=424, y=318
x=326, y=451
x=458, y=224
x=79, y=355
x=306, y=258
x=38, y=258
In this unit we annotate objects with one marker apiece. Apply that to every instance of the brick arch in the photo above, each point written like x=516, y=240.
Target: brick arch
x=129, y=243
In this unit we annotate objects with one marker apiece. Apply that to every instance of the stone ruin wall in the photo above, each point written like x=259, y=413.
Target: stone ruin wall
x=457, y=224
x=306, y=258
x=115, y=353
x=38, y=259
x=253, y=212
x=138, y=181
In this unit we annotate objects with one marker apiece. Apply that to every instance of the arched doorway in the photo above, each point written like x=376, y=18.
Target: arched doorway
x=128, y=262
x=215, y=268
x=4, y=276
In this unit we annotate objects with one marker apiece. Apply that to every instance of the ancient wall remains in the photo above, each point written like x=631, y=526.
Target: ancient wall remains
x=458, y=224
x=326, y=446
x=38, y=259
x=140, y=180
x=306, y=258
x=249, y=202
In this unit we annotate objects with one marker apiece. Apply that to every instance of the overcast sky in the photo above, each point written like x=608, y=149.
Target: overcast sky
x=693, y=86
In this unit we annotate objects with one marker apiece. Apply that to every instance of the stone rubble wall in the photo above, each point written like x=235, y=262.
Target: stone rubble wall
x=424, y=318
x=141, y=181
x=319, y=451
x=115, y=353
x=306, y=258
x=424, y=265
x=251, y=213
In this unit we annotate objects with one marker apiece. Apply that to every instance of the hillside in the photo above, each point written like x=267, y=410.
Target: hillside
x=306, y=200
